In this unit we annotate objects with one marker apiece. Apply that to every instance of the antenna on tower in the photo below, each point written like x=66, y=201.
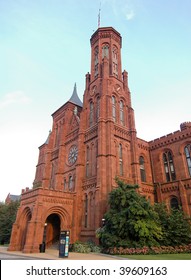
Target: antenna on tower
x=99, y=15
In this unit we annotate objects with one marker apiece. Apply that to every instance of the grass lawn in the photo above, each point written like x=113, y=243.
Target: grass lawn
x=185, y=256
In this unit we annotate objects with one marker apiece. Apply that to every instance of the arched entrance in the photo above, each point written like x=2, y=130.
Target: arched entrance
x=51, y=230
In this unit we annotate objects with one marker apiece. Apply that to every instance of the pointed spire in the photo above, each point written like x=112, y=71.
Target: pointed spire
x=75, y=98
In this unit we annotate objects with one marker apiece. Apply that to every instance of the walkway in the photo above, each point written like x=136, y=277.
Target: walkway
x=53, y=254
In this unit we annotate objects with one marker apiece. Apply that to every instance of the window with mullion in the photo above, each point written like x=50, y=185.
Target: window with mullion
x=120, y=160
x=114, y=108
x=187, y=150
x=86, y=211
x=169, y=167
x=121, y=112
x=91, y=113
x=97, y=109
x=142, y=169
x=87, y=161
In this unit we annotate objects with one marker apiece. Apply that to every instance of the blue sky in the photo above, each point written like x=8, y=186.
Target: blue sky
x=45, y=49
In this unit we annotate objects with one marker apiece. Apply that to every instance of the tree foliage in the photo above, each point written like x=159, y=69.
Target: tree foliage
x=7, y=218
x=176, y=226
x=132, y=221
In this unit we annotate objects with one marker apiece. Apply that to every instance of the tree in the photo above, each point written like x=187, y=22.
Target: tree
x=7, y=218
x=131, y=220
x=175, y=225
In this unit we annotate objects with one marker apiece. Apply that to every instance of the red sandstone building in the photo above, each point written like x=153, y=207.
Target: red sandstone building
x=90, y=144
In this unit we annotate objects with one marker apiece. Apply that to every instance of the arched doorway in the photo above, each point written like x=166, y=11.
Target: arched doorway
x=51, y=230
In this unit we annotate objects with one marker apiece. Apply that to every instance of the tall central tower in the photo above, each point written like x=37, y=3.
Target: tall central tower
x=91, y=143
x=107, y=124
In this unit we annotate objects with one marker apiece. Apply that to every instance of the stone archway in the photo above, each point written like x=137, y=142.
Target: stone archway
x=52, y=229
x=19, y=233
x=27, y=219
x=55, y=219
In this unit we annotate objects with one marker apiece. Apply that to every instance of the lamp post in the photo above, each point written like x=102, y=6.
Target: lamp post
x=103, y=222
x=44, y=234
x=43, y=245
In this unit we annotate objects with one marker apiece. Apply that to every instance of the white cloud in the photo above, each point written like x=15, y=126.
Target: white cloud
x=125, y=7
x=15, y=97
x=130, y=15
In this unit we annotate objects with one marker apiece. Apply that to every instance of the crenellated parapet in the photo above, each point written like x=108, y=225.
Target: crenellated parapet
x=185, y=125
x=173, y=137
x=106, y=32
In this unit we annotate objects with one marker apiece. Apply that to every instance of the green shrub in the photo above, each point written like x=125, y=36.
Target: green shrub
x=81, y=248
x=85, y=247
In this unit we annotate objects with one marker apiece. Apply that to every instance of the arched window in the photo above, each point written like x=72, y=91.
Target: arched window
x=114, y=108
x=120, y=159
x=96, y=61
x=142, y=168
x=97, y=108
x=115, y=61
x=105, y=51
x=187, y=150
x=174, y=203
x=121, y=105
x=91, y=113
x=70, y=184
x=87, y=161
x=53, y=174
x=65, y=184
x=169, y=166
x=96, y=155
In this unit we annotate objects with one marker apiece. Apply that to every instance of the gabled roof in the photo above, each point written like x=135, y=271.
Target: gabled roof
x=75, y=98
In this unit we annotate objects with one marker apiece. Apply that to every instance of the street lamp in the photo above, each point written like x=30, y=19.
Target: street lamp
x=44, y=235
x=42, y=246
x=103, y=222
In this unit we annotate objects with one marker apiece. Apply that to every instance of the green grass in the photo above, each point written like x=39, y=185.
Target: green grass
x=185, y=256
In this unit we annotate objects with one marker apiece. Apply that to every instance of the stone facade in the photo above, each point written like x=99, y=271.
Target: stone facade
x=90, y=144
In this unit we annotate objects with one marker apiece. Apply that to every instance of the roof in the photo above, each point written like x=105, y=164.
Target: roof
x=75, y=98
x=14, y=197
